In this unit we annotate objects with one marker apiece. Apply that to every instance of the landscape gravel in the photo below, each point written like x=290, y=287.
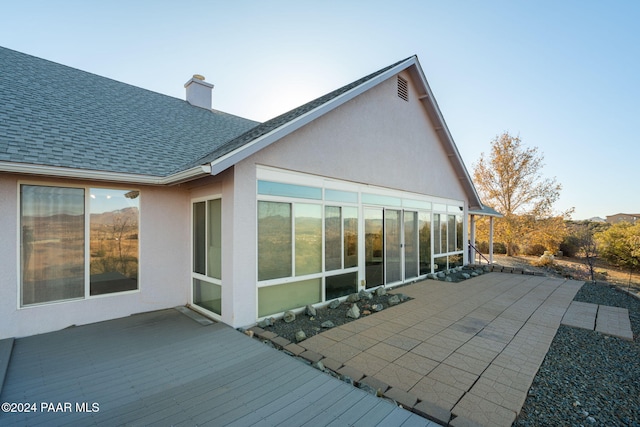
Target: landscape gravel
x=587, y=378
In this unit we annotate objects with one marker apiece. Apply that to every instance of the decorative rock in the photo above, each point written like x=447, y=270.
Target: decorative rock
x=403, y=297
x=354, y=312
x=474, y=274
x=591, y=420
x=289, y=316
x=393, y=300
x=265, y=322
x=328, y=324
x=353, y=298
x=440, y=275
x=366, y=312
x=377, y=307
x=448, y=279
x=466, y=276
x=365, y=295
x=432, y=276
x=249, y=333
x=334, y=304
x=310, y=311
x=318, y=365
x=300, y=336
x=381, y=291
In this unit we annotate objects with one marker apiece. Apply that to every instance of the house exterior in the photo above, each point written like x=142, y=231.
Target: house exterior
x=622, y=217
x=115, y=200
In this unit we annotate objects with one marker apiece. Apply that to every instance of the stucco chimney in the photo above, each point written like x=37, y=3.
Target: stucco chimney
x=199, y=92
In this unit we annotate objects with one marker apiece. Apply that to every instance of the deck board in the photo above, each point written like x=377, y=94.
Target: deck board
x=165, y=368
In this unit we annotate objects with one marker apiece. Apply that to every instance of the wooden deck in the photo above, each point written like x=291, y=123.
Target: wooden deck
x=164, y=368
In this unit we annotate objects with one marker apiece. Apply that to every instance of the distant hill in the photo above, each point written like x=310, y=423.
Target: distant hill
x=130, y=214
x=596, y=219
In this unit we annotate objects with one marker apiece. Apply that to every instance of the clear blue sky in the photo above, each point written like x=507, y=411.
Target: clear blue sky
x=563, y=75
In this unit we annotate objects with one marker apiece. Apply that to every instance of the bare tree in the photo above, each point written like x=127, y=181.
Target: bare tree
x=588, y=246
x=510, y=180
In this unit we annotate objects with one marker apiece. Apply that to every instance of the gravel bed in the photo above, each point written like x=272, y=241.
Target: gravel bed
x=312, y=325
x=589, y=379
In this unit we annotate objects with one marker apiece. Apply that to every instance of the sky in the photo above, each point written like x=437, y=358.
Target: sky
x=563, y=75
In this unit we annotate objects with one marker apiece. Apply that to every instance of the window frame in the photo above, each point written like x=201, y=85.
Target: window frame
x=87, y=242
x=206, y=278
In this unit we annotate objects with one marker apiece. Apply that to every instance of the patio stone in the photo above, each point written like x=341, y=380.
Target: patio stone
x=352, y=373
x=407, y=400
x=375, y=384
x=294, y=349
x=332, y=364
x=436, y=392
x=280, y=342
x=433, y=412
x=472, y=408
x=386, y=351
x=398, y=376
x=311, y=356
x=340, y=352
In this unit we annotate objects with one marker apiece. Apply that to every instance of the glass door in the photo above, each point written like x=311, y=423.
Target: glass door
x=207, y=256
x=410, y=245
x=373, y=247
x=393, y=245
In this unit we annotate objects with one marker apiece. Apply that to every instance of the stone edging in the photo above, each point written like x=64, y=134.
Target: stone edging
x=352, y=376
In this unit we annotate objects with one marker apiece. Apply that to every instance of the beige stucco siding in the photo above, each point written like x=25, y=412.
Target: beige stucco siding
x=376, y=138
x=164, y=261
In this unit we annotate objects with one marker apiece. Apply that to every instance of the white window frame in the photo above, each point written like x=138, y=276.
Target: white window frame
x=87, y=243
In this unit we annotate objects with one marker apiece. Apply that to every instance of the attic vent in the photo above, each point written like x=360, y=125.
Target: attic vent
x=403, y=89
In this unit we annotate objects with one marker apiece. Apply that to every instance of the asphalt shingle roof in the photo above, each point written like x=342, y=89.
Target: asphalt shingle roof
x=55, y=115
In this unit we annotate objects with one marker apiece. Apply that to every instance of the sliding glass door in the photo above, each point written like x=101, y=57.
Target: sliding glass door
x=392, y=246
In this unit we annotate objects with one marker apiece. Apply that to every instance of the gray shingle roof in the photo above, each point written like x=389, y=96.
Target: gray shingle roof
x=54, y=115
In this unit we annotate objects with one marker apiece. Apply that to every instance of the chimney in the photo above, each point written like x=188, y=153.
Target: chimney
x=199, y=92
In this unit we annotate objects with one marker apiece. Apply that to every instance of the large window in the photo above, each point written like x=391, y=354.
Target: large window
x=340, y=237
x=56, y=256
x=274, y=240
x=308, y=239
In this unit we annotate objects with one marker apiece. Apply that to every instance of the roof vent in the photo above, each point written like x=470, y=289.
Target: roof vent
x=403, y=89
x=199, y=92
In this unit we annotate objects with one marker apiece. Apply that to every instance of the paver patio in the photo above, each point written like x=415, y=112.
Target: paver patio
x=459, y=353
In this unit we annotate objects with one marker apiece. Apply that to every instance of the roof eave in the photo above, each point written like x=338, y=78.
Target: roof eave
x=442, y=130
x=95, y=175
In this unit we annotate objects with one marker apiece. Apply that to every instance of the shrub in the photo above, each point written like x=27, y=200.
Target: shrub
x=570, y=246
x=535, y=250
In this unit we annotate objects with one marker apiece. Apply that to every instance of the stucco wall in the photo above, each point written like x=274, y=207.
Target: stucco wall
x=163, y=264
x=376, y=138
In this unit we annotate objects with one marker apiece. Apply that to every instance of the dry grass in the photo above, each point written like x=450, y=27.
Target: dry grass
x=575, y=268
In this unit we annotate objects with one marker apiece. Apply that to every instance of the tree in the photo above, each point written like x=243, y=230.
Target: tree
x=509, y=180
x=588, y=246
x=620, y=245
